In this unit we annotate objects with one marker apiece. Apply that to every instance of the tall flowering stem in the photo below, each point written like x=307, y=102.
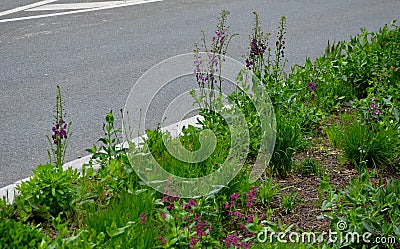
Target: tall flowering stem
x=259, y=56
x=258, y=48
x=280, y=50
x=60, y=134
x=208, y=62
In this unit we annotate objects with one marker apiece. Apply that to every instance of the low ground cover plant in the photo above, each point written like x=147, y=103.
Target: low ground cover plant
x=334, y=166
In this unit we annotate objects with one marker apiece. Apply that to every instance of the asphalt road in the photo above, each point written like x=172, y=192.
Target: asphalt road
x=96, y=57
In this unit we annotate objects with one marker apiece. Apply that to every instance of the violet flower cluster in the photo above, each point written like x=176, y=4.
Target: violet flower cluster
x=240, y=218
x=312, y=87
x=205, y=74
x=59, y=131
x=235, y=241
x=373, y=115
x=251, y=197
x=257, y=50
x=201, y=228
x=206, y=68
x=170, y=200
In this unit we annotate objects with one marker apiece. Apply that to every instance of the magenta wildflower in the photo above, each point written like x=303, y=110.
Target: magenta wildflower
x=192, y=241
x=162, y=240
x=231, y=240
x=373, y=115
x=192, y=202
x=142, y=218
x=165, y=198
x=169, y=201
x=163, y=215
x=234, y=197
x=251, y=197
x=237, y=214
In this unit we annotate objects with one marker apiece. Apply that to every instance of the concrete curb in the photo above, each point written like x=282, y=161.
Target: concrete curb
x=9, y=192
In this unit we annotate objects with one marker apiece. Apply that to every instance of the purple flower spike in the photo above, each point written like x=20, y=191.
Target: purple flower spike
x=312, y=86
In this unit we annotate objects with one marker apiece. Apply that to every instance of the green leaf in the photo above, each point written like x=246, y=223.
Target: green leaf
x=326, y=205
x=110, y=117
x=325, y=185
x=391, y=198
x=396, y=230
x=368, y=227
x=336, y=198
x=395, y=113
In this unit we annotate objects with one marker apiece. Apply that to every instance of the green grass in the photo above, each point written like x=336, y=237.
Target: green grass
x=125, y=210
x=363, y=146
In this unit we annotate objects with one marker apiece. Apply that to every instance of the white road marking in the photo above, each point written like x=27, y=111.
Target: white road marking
x=126, y=3
x=77, y=6
x=33, y=5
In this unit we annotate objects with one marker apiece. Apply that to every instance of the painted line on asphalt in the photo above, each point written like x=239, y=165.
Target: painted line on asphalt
x=126, y=3
x=76, y=6
x=9, y=192
x=25, y=7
